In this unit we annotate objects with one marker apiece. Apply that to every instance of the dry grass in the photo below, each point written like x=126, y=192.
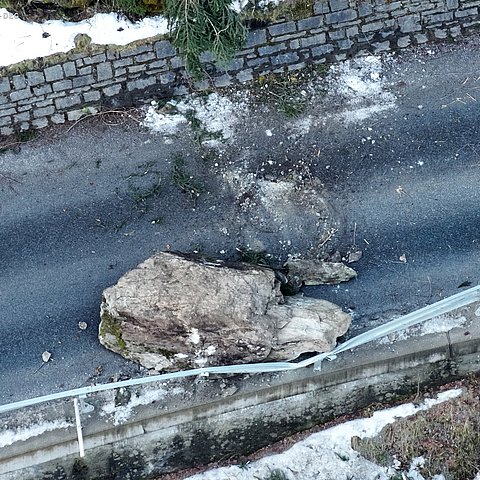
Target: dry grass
x=447, y=436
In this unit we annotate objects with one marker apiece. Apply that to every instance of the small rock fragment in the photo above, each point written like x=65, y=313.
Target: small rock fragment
x=82, y=325
x=46, y=356
x=316, y=272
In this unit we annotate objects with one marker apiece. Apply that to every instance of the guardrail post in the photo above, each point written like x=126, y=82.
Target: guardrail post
x=79, y=428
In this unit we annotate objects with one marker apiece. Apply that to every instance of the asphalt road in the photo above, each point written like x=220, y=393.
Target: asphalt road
x=403, y=186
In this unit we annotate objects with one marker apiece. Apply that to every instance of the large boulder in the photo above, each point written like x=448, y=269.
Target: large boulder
x=174, y=312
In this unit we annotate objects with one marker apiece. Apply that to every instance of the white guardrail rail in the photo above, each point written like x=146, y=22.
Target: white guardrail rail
x=426, y=313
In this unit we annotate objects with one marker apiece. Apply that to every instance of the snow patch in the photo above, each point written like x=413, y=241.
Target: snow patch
x=359, y=82
x=121, y=413
x=216, y=116
x=22, y=40
x=328, y=454
x=9, y=437
x=440, y=324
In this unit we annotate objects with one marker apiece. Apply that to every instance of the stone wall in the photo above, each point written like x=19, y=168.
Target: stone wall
x=76, y=84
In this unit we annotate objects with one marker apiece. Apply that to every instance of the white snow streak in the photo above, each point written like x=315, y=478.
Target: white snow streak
x=328, y=454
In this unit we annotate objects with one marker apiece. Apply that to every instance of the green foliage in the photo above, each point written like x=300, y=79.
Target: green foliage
x=277, y=474
x=182, y=180
x=204, y=26
x=132, y=7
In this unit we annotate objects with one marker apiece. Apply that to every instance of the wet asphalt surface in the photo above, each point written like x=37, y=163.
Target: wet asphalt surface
x=403, y=187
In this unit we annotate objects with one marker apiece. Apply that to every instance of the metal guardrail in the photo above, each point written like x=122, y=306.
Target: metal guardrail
x=426, y=313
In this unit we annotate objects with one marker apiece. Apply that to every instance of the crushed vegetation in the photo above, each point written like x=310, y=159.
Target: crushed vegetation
x=447, y=437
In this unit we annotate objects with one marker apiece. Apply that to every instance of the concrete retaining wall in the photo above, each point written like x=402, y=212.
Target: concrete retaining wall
x=66, y=87
x=143, y=431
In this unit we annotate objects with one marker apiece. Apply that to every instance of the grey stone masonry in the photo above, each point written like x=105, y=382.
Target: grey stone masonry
x=126, y=76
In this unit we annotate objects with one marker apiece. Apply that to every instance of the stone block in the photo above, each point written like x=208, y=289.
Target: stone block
x=282, y=28
x=20, y=94
x=54, y=73
x=75, y=115
x=22, y=117
x=292, y=36
x=6, y=131
x=177, y=62
x=440, y=18
x=43, y=112
x=69, y=69
x=137, y=68
x=85, y=70
x=364, y=9
x=236, y=64
x=421, y=38
x=124, y=62
x=381, y=46
x=111, y=90
x=40, y=123
x=167, y=77
x=58, y=118
x=344, y=44
x=322, y=50
x=455, y=31
x=157, y=64
x=284, y=58
x=67, y=102
x=471, y=12
x=62, y=85
x=19, y=82
x=439, y=33
x=244, y=76
x=35, y=78
x=145, y=57
x=409, y=23
x=403, y=42
x=296, y=66
x=140, y=84
x=341, y=16
x=372, y=27
x=5, y=85
x=222, y=81
x=92, y=96
x=5, y=121
x=309, y=23
x=104, y=71
x=164, y=49
x=294, y=44
x=389, y=7
x=452, y=4
x=352, y=31
x=270, y=49
x=255, y=62
x=336, y=5
x=42, y=90
x=320, y=7
x=313, y=40
x=101, y=57
x=82, y=81
x=256, y=37
x=337, y=34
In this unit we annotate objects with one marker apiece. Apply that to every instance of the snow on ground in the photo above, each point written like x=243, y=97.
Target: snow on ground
x=22, y=40
x=361, y=85
x=328, y=454
x=216, y=115
x=440, y=324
